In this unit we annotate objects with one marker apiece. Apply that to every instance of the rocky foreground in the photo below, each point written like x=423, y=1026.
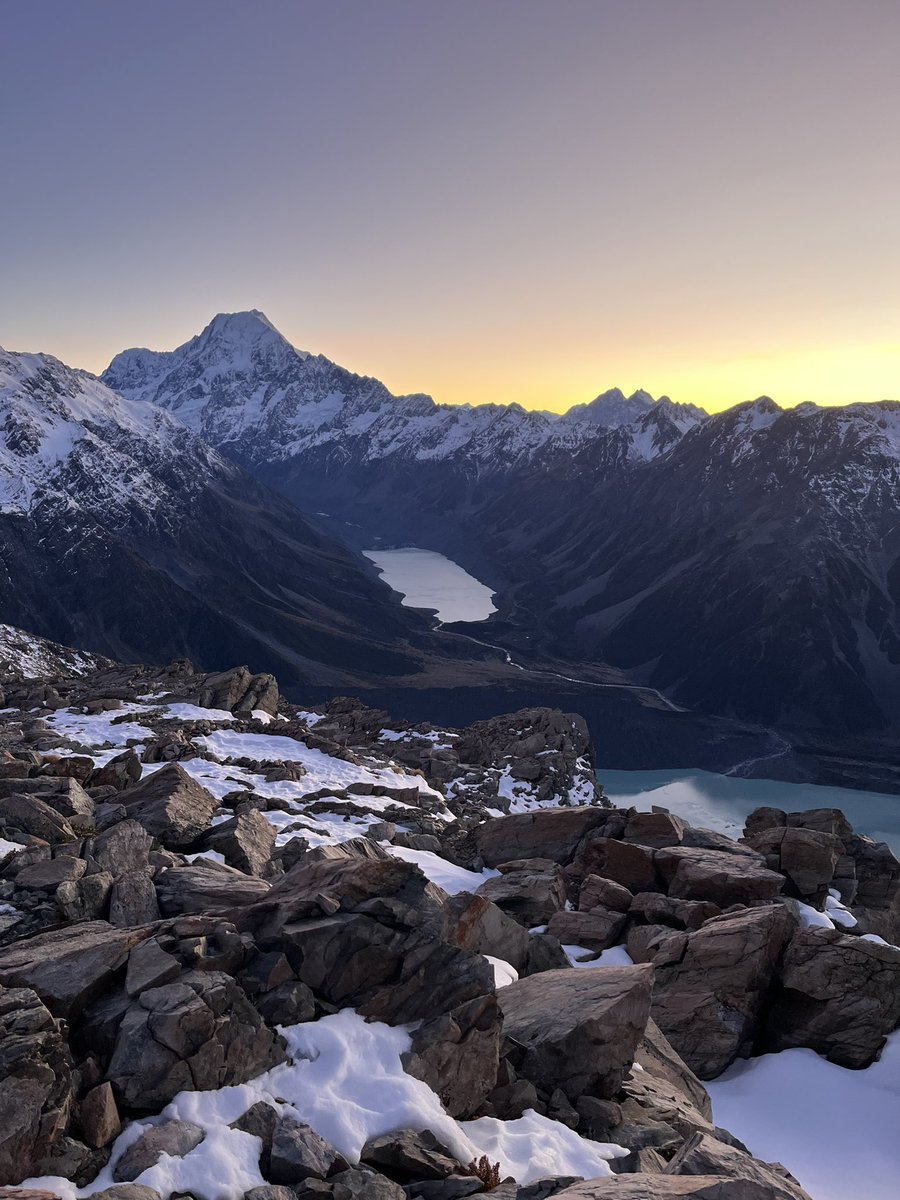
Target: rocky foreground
x=252, y=951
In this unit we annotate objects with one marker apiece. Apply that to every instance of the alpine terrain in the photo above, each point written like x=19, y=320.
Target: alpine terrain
x=746, y=563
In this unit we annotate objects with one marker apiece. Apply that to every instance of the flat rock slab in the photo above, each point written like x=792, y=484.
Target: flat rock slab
x=577, y=1030
x=68, y=967
x=549, y=833
x=724, y=879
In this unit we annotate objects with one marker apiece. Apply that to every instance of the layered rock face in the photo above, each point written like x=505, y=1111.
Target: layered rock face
x=198, y=903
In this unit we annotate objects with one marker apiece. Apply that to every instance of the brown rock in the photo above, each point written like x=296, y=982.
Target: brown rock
x=708, y=996
x=577, y=1030
x=98, y=1117
x=714, y=875
x=549, y=832
x=171, y=806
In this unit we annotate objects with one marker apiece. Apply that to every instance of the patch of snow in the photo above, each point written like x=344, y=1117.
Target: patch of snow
x=322, y=770
x=504, y=974
x=445, y=874
x=807, y=1113
x=325, y=1087
x=193, y=712
x=615, y=956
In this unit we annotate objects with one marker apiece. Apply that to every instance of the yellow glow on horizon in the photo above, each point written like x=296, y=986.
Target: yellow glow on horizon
x=824, y=375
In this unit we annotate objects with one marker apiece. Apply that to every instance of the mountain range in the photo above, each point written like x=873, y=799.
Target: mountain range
x=211, y=501
x=746, y=562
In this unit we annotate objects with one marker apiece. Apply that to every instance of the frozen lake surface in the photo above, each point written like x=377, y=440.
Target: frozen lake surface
x=722, y=802
x=427, y=579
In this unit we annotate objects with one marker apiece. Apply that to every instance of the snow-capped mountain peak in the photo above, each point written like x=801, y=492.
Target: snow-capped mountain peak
x=245, y=389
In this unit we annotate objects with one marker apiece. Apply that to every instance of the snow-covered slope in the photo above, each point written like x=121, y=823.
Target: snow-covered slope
x=248, y=391
x=122, y=532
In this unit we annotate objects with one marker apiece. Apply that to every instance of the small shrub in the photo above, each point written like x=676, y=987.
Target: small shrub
x=485, y=1170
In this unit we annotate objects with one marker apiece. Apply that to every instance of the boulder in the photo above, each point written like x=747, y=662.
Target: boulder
x=548, y=832
x=298, y=1153
x=655, y=1186
x=667, y=910
x=410, y=1155
x=840, y=996
x=476, y=924
x=703, y=1154
x=36, y=1084
x=32, y=815
x=597, y=892
x=246, y=841
x=576, y=1030
x=596, y=930
x=98, y=1117
x=239, y=692
x=457, y=1054
x=631, y=866
x=199, y=1032
x=723, y=878
x=529, y=894
x=48, y=875
x=654, y=829
x=173, y=1138
x=201, y=888
x=171, y=806
x=120, y=772
x=68, y=967
x=806, y=857
x=84, y=899
x=711, y=985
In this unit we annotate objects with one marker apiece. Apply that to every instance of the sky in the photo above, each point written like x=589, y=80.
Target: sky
x=485, y=200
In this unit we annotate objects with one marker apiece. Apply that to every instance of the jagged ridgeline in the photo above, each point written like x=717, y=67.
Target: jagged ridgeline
x=251, y=951
x=748, y=562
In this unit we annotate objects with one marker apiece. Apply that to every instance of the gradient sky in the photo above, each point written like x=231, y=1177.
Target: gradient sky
x=481, y=199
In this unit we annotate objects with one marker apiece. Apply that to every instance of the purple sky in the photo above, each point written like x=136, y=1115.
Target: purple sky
x=483, y=199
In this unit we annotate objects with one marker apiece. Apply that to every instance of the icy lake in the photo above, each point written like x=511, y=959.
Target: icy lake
x=722, y=803
x=427, y=579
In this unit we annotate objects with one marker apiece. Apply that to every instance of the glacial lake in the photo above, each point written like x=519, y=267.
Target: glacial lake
x=722, y=802
x=427, y=579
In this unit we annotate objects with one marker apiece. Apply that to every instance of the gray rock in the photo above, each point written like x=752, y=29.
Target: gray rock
x=577, y=1030
x=457, y=1055
x=205, y=887
x=597, y=930
x=171, y=806
x=98, y=1117
x=239, y=692
x=175, y=1138
x=530, y=894
x=47, y=876
x=474, y=923
x=68, y=967
x=410, y=1155
x=200, y=1032
x=37, y=1092
x=299, y=1153
x=84, y=899
x=702, y=1154
x=32, y=815
x=548, y=832
x=246, y=842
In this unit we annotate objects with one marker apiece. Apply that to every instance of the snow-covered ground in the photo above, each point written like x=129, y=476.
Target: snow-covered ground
x=324, y=1086
x=427, y=579
x=836, y=1130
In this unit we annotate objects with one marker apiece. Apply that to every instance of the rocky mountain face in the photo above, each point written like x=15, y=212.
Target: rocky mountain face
x=746, y=562
x=250, y=950
x=342, y=444
x=123, y=533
